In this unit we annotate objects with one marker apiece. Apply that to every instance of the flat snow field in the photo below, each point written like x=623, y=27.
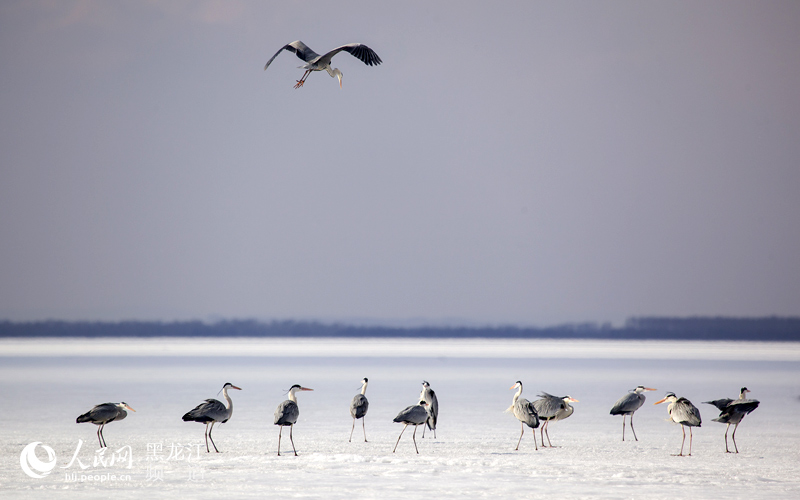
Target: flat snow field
x=46, y=383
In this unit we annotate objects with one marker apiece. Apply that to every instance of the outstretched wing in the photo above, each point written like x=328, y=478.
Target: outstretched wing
x=359, y=50
x=302, y=50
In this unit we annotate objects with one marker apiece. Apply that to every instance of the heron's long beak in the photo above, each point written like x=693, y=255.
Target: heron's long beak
x=659, y=402
x=513, y=387
x=306, y=389
x=573, y=400
x=237, y=388
x=340, y=80
x=128, y=407
x=649, y=389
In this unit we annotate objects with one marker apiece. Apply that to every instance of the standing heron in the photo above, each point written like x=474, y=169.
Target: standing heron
x=358, y=409
x=628, y=404
x=413, y=415
x=732, y=411
x=552, y=408
x=286, y=414
x=525, y=413
x=316, y=62
x=429, y=397
x=211, y=412
x=683, y=412
x=104, y=413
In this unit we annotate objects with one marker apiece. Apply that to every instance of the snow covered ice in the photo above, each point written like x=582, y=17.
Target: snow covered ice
x=47, y=383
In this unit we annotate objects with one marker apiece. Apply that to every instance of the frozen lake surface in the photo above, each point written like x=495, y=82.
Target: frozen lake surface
x=47, y=383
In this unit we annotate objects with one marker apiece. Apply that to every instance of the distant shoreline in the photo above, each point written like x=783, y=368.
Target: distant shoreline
x=642, y=328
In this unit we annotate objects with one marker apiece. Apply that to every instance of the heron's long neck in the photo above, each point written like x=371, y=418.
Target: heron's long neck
x=292, y=397
x=743, y=395
x=519, y=392
x=364, y=388
x=227, y=398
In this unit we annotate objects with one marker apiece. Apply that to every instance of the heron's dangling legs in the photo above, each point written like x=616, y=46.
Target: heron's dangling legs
x=634, y=430
x=301, y=81
x=291, y=427
x=212, y=439
x=398, y=438
x=351, y=431
x=414, y=438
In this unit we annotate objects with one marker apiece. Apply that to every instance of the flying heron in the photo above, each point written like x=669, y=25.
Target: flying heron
x=104, y=413
x=211, y=412
x=732, y=411
x=412, y=415
x=429, y=397
x=358, y=409
x=683, y=412
x=286, y=414
x=316, y=62
x=628, y=404
x=552, y=408
x=525, y=413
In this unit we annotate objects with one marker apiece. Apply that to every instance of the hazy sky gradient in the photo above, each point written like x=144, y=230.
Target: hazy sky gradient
x=513, y=162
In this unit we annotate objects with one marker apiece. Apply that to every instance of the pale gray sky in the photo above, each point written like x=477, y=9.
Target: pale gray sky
x=509, y=162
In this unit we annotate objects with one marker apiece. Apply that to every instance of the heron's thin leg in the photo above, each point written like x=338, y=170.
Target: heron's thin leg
x=414, y=438
x=364, y=427
x=100, y=436
x=280, y=431
x=291, y=427
x=205, y=435
x=301, y=81
x=212, y=439
x=398, y=438
x=423, y=428
x=683, y=429
x=733, y=437
x=726, y=438
x=623, y=427
x=434, y=433
x=634, y=430
x=690, y=441
x=547, y=433
x=541, y=431
x=535, y=446
x=521, y=433
x=351, y=431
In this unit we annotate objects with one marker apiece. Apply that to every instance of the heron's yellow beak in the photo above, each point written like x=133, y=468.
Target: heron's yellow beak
x=659, y=402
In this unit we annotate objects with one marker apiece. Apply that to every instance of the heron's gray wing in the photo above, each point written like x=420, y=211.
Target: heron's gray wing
x=628, y=403
x=287, y=413
x=359, y=406
x=359, y=50
x=434, y=411
x=415, y=415
x=548, y=405
x=104, y=412
x=684, y=412
x=302, y=50
x=209, y=411
x=743, y=405
x=721, y=404
x=526, y=413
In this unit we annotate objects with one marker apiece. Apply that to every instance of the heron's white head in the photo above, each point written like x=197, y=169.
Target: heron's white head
x=518, y=385
x=640, y=389
x=570, y=399
x=125, y=405
x=338, y=74
x=671, y=397
x=228, y=385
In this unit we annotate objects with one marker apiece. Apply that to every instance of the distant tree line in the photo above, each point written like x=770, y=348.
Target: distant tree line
x=695, y=328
